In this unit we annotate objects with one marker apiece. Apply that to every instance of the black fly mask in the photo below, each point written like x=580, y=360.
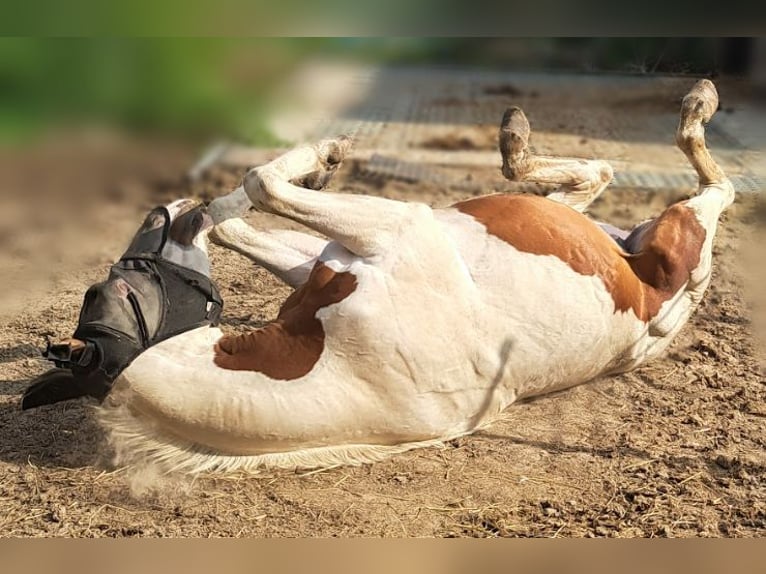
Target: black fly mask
x=146, y=299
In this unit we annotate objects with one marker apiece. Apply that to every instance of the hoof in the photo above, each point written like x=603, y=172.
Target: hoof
x=514, y=139
x=514, y=130
x=700, y=103
x=330, y=153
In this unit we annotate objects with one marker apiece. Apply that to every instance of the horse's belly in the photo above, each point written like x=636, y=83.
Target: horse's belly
x=559, y=328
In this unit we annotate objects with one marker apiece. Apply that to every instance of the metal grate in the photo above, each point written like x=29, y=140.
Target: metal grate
x=393, y=168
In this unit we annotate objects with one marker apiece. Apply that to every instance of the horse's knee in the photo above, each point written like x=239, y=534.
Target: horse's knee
x=261, y=186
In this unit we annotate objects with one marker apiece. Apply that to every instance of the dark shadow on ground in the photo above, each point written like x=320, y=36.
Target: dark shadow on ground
x=16, y=352
x=61, y=435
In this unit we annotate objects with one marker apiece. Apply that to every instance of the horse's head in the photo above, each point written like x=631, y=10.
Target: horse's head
x=160, y=287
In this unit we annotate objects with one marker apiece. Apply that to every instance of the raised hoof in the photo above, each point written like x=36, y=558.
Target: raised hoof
x=514, y=139
x=700, y=103
x=330, y=153
x=515, y=128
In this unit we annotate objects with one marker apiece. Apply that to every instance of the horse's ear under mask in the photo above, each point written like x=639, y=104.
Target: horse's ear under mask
x=152, y=235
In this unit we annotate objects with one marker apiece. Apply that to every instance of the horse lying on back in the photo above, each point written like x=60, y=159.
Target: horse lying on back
x=411, y=325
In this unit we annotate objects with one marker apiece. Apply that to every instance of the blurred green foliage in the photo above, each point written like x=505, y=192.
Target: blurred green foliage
x=193, y=87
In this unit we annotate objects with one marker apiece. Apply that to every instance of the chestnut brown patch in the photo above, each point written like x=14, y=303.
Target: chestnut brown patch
x=289, y=347
x=669, y=249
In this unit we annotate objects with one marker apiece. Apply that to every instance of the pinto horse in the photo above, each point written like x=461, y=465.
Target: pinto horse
x=411, y=325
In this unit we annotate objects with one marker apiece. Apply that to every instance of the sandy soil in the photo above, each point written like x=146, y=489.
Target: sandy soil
x=675, y=448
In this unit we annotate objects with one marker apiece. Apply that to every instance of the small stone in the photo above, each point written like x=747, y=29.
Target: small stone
x=726, y=461
x=602, y=531
x=57, y=514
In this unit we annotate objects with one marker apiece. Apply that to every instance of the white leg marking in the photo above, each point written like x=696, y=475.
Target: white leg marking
x=290, y=255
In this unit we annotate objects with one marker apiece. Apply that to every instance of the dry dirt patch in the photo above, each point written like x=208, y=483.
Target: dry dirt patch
x=673, y=449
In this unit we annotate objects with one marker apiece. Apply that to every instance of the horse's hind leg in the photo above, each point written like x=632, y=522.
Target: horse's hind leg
x=716, y=193
x=715, y=190
x=581, y=180
x=290, y=255
x=684, y=232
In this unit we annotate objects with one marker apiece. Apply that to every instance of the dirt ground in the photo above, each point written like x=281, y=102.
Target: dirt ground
x=675, y=448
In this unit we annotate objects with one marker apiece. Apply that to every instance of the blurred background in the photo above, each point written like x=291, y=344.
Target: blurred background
x=202, y=88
